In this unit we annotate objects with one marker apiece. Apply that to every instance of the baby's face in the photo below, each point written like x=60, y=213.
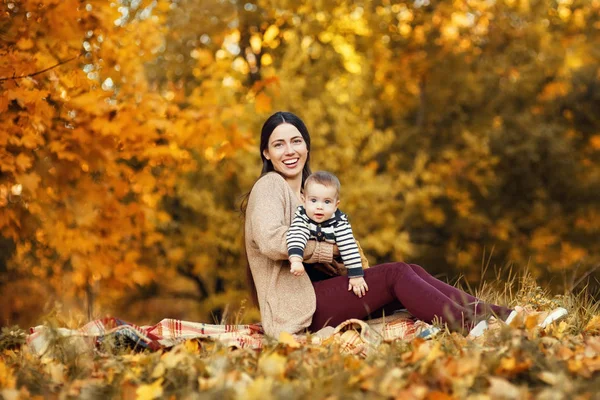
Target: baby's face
x=320, y=201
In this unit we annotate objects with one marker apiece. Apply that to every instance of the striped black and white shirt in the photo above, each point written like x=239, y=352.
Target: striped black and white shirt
x=335, y=230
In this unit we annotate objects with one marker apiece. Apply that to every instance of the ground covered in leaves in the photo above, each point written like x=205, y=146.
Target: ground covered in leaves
x=560, y=362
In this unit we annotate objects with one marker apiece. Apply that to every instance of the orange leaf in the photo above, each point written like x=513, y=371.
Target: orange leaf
x=262, y=103
x=510, y=366
x=594, y=141
x=593, y=326
x=29, y=181
x=23, y=162
x=3, y=104
x=438, y=396
x=31, y=139
x=25, y=44
x=7, y=378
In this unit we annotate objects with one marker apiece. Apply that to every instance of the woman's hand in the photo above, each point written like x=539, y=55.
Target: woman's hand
x=336, y=250
x=358, y=286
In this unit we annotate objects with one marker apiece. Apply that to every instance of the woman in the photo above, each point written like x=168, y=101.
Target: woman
x=294, y=303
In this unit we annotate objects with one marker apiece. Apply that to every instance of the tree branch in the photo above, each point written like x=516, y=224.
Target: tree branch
x=422, y=103
x=14, y=78
x=196, y=279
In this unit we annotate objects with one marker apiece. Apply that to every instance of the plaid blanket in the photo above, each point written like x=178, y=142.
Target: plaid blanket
x=355, y=336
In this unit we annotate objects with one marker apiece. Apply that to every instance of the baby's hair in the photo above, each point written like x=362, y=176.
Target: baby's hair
x=324, y=178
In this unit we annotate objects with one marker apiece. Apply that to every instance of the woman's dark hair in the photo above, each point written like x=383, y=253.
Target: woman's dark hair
x=279, y=118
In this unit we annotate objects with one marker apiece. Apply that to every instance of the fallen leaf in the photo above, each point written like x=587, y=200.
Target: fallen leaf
x=593, y=326
x=10, y=394
x=592, y=365
x=159, y=370
x=272, y=365
x=191, y=346
x=260, y=389
x=577, y=366
x=287, y=339
x=206, y=383
x=438, y=396
x=548, y=377
x=151, y=391
x=172, y=359
x=509, y=366
x=500, y=388
x=7, y=378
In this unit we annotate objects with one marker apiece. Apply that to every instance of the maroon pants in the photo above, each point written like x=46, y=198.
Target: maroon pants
x=399, y=285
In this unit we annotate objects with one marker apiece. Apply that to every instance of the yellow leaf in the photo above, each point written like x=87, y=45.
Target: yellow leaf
x=271, y=33
x=593, y=326
x=435, y=215
x=261, y=388
x=159, y=370
x=172, y=359
x=272, y=365
x=92, y=102
x=191, y=346
x=287, y=339
x=152, y=391
x=163, y=6
x=256, y=44
x=7, y=378
x=25, y=44
x=353, y=67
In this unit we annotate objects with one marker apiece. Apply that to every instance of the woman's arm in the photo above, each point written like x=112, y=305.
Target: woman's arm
x=266, y=216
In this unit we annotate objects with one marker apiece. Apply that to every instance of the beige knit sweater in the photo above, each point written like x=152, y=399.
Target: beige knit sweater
x=287, y=302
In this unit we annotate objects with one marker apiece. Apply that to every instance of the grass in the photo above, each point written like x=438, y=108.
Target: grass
x=560, y=362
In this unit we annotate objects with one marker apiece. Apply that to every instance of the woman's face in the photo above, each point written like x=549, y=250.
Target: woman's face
x=287, y=151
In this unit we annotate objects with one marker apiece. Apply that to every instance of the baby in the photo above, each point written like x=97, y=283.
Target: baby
x=320, y=219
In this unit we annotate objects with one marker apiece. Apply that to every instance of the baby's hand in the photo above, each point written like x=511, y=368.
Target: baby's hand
x=358, y=286
x=296, y=268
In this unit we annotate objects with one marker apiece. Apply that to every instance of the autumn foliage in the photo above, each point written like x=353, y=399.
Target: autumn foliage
x=464, y=133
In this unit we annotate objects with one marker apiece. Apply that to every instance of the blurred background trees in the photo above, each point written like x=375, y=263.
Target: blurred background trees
x=465, y=134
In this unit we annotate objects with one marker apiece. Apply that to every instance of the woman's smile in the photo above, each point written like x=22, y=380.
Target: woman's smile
x=291, y=163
